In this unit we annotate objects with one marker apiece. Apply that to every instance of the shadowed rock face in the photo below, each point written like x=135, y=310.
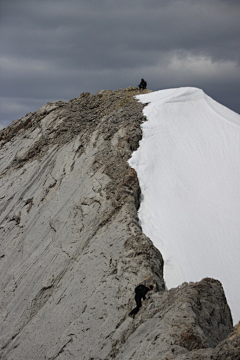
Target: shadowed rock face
x=72, y=250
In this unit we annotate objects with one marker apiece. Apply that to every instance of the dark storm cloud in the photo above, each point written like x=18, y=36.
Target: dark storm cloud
x=54, y=50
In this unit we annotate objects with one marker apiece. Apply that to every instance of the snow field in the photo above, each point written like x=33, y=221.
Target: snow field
x=188, y=165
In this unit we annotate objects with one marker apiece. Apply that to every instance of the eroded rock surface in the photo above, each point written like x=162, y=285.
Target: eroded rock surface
x=179, y=321
x=72, y=250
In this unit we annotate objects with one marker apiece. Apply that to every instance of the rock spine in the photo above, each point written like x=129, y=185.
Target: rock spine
x=72, y=250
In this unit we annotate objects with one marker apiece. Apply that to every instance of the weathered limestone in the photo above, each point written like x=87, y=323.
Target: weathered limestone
x=178, y=321
x=72, y=250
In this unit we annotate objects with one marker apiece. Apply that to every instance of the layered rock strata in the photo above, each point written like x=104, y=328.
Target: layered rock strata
x=72, y=250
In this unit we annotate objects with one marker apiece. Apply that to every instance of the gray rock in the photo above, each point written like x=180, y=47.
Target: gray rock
x=177, y=322
x=72, y=250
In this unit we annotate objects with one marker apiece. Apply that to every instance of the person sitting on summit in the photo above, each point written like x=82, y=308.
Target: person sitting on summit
x=140, y=293
x=142, y=85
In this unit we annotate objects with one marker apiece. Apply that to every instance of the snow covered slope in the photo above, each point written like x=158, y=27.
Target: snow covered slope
x=188, y=165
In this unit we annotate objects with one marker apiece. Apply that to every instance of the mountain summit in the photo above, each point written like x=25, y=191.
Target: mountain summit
x=73, y=251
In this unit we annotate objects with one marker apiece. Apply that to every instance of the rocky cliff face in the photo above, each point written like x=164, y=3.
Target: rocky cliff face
x=72, y=250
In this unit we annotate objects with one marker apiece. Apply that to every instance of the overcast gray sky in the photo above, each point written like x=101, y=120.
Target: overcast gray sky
x=56, y=49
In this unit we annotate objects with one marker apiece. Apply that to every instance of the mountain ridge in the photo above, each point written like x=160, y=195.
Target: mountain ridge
x=72, y=248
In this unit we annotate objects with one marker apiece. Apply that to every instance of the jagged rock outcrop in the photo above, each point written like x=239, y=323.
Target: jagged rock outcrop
x=72, y=250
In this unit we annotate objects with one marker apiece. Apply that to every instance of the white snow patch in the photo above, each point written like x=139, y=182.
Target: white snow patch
x=188, y=165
